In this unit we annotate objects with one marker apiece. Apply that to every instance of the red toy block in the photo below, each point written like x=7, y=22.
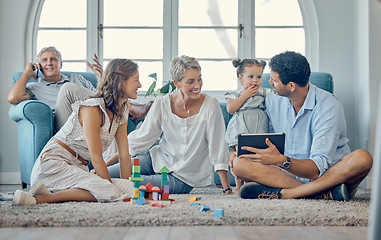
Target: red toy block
x=136, y=161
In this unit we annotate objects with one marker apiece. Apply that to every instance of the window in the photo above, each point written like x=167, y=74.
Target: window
x=152, y=32
x=64, y=27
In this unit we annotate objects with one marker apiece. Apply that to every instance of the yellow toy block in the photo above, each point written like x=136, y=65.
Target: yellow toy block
x=193, y=199
x=136, y=193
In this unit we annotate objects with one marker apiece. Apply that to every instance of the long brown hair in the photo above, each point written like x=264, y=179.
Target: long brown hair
x=110, y=86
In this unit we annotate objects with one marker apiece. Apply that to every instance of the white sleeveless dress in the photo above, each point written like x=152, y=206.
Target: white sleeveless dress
x=59, y=170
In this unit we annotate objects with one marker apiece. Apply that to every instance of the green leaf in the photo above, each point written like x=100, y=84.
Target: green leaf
x=151, y=88
x=168, y=87
x=165, y=88
x=172, y=87
x=159, y=93
x=153, y=75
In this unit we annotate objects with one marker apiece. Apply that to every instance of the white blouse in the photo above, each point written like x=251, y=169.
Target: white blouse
x=189, y=147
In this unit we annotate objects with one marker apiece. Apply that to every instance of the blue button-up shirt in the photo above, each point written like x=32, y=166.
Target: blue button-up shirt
x=317, y=132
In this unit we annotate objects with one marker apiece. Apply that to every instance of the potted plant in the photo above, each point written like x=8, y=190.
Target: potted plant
x=167, y=88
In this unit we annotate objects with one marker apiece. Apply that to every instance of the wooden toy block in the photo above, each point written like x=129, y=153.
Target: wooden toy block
x=218, y=213
x=136, y=179
x=194, y=204
x=166, y=188
x=136, y=184
x=204, y=208
x=140, y=201
x=164, y=196
x=163, y=182
x=158, y=204
x=136, y=193
x=192, y=199
x=164, y=170
x=136, y=161
x=136, y=169
x=149, y=187
x=198, y=199
x=155, y=196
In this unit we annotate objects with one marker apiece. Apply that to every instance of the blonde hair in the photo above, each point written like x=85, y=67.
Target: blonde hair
x=180, y=64
x=110, y=86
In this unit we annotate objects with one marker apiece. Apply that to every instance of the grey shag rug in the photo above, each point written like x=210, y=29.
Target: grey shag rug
x=237, y=211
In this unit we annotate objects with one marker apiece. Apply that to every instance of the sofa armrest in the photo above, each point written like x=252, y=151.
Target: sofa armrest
x=34, y=127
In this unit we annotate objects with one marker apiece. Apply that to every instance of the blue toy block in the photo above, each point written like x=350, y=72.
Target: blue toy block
x=195, y=203
x=204, y=208
x=218, y=213
x=198, y=198
x=141, y=201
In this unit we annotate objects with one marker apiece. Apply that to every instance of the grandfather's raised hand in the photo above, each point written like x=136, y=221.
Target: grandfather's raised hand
x=96, y=67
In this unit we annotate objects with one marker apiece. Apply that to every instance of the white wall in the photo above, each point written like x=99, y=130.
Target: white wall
x=374, y=65
x=12, y=26
x=336, y=52
x=342, y=52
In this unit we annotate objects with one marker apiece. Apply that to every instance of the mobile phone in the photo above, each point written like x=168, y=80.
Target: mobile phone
x=35, y=71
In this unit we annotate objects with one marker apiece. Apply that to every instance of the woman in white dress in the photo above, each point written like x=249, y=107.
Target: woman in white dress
x=191, y=130
x=60, y=173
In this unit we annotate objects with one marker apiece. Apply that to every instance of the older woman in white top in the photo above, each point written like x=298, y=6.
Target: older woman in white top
x=191, y=129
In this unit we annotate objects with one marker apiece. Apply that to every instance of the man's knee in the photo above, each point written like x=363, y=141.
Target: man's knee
x=241, y=167
x=73, y=92
x=361, y=159
x=364, y=158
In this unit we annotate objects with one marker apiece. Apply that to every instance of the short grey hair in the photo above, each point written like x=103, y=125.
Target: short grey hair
x=180, y=64
x=50, y=49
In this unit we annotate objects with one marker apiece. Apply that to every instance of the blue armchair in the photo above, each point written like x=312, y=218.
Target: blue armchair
x=320, y=79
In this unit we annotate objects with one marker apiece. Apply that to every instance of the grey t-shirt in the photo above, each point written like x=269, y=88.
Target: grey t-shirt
x=47, y=92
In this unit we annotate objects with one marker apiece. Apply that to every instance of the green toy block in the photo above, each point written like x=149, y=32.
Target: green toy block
x=136, y=179
x=136, y=169
x=163, y=182
x=164, y=170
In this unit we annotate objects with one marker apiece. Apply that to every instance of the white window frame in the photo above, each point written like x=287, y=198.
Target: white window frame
x=170, y=33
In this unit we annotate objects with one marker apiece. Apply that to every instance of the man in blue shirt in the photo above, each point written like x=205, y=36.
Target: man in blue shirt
x=317, y=162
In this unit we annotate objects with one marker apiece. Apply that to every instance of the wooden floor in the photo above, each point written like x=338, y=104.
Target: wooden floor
x=179, y=232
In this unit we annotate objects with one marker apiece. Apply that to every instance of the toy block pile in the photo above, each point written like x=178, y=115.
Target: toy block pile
x=149, y=193
x=136, y=178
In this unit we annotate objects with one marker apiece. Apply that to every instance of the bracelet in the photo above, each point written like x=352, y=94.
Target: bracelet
x=227, y=189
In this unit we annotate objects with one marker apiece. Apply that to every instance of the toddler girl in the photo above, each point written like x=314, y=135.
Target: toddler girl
x=247, y=104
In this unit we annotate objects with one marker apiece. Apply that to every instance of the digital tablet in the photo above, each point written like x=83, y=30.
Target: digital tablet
x=257, y=140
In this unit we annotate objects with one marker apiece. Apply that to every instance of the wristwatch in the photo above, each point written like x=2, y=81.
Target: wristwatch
x=286, y=164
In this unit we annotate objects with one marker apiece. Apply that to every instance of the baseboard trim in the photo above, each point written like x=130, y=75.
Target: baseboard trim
x=10, y=178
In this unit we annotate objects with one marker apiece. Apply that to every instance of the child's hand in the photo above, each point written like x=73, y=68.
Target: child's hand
x=252, y=90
